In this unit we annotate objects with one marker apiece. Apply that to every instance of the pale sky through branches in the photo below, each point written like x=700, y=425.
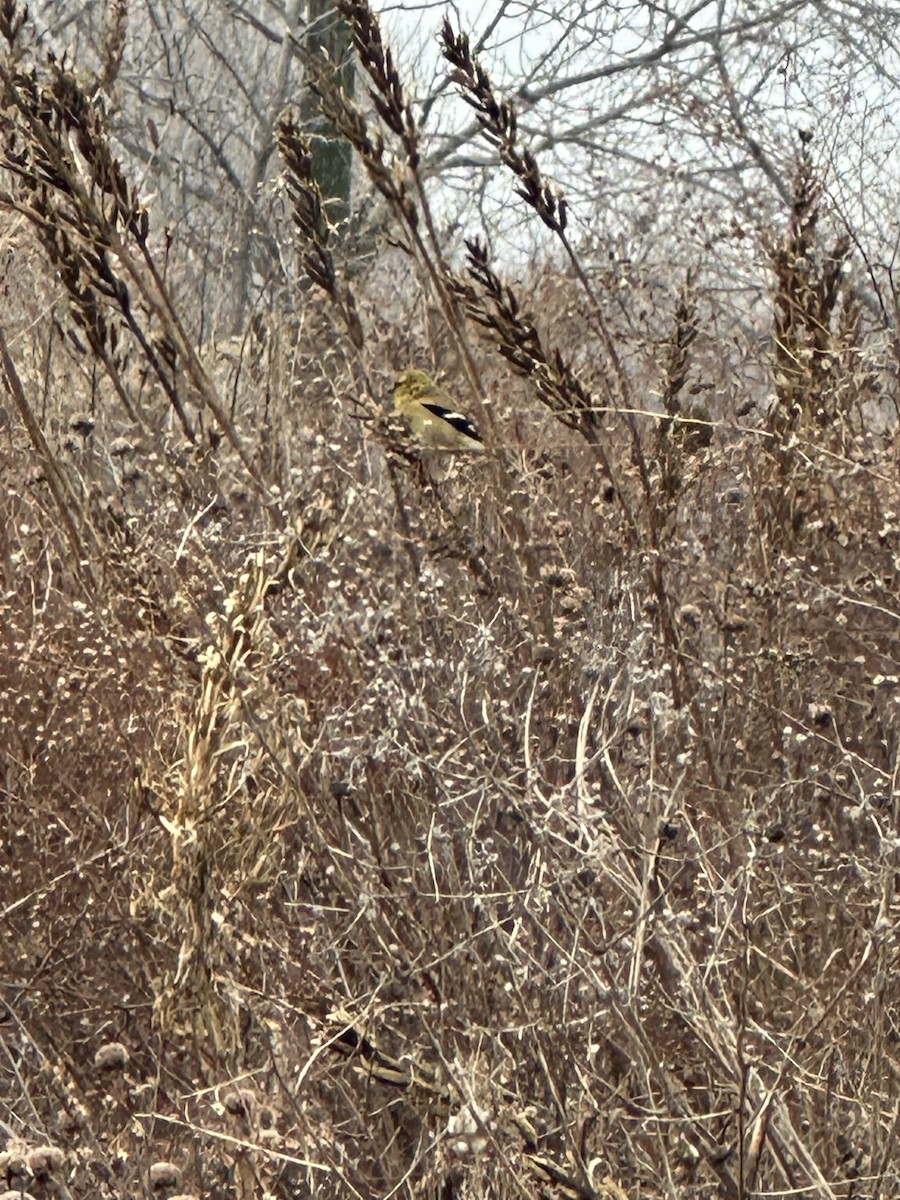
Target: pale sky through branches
x=709, y=96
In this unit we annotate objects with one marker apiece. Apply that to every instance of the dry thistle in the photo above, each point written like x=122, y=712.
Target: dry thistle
x=312, y=224
x=386, y=90
x=164, y=1176
x=13, y=1161
x=688, y=426
x=111, y=1057
x=44, y=1161
x=94, y=230
x=120, y=447
x=499, y=126
x=807, y=286
x=494, y=306
x=497, y=119
x=675, y=366
x=80, y=206
x=241, y=1103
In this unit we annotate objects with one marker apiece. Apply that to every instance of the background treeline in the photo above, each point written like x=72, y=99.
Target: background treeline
x=376, y=823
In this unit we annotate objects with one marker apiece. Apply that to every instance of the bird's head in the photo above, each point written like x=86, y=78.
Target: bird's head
x=413, y=381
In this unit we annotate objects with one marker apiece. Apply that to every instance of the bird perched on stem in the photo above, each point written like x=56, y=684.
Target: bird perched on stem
x=431, y=415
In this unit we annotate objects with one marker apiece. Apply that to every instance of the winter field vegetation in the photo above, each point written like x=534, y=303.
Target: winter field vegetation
x=377, y=822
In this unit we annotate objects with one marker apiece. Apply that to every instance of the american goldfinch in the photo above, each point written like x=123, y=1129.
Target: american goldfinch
x=431, y=416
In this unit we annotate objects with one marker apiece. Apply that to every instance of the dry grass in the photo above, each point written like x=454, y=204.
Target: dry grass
x=378, y=826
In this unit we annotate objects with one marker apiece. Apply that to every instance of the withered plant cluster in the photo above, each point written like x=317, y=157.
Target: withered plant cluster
x=377, y=823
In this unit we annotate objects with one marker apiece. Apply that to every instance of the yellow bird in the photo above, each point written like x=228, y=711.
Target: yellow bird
x=431, y=415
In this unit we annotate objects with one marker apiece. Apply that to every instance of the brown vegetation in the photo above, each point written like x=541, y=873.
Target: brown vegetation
x=378, y=824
